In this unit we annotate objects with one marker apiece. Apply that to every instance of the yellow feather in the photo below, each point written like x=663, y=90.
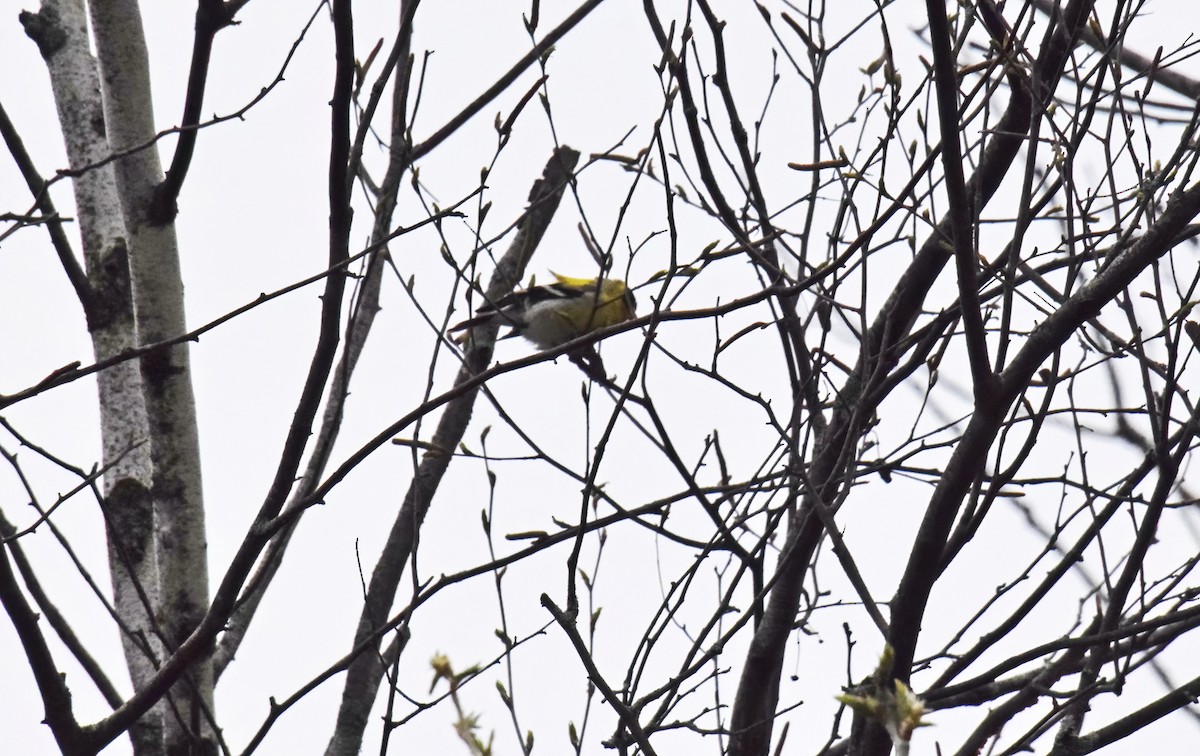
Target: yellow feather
x=574, y=283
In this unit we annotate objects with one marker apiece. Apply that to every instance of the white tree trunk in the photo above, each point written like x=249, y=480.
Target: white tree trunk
x=166, y=375
x=61, y=34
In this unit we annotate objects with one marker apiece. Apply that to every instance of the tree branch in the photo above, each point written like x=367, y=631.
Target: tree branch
x=365, y=672
x=211, y=17
x=945, y=81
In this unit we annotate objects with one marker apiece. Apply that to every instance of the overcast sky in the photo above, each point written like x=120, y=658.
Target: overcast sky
x=253, y=218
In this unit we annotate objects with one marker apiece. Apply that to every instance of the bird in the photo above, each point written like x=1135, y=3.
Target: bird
x=551, y=315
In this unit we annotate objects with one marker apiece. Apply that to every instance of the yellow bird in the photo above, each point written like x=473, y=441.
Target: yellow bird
x=552, y=315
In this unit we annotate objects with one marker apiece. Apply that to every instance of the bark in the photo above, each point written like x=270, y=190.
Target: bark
x=166, y=375
x=60, y=31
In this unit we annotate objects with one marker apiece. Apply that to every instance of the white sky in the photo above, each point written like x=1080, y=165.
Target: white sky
x=253, y=218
